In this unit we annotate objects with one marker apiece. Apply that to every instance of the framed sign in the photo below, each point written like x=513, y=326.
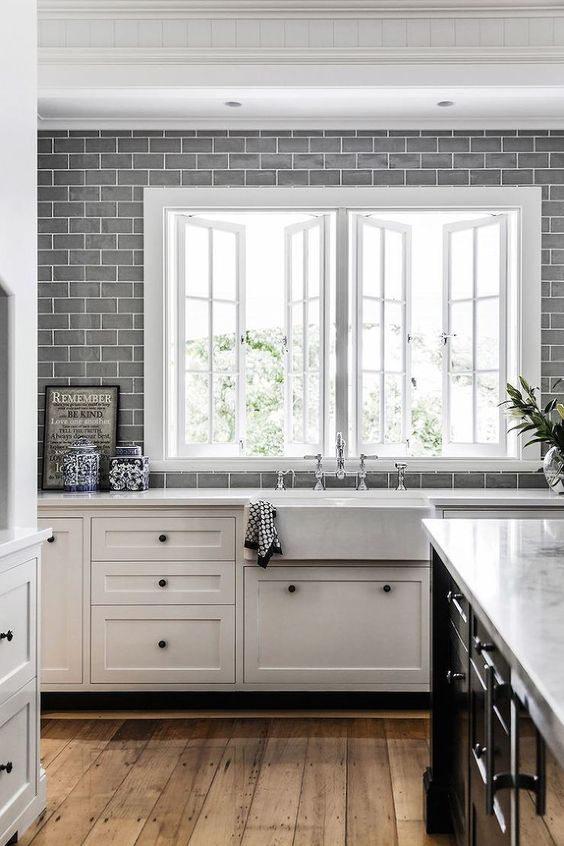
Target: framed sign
x=74, y=412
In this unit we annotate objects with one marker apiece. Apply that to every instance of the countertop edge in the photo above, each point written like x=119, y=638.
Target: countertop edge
x=15, y=540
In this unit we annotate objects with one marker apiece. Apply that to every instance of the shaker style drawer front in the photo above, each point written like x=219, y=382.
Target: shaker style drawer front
x=62, y=601
x=163, y=583
x=18, y=767
x=163, y=644
x=337, y=625
x=18, y=610
x=163, y=538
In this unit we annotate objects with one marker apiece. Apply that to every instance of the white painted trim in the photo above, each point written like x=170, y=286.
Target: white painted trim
x=158, y=200
x=83, y=56
x=104, y=9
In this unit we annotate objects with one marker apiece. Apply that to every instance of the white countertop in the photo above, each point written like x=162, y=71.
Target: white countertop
x=178, y=497
x=512, y=571
x=14, y=540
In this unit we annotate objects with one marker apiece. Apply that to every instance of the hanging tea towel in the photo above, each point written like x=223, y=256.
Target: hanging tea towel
x=261, y=531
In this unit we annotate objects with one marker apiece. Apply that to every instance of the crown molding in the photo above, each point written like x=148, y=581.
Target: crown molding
x=181, y=9
x=136, y=56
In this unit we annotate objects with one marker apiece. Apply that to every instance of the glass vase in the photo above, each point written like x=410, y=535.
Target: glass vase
x=553, y=466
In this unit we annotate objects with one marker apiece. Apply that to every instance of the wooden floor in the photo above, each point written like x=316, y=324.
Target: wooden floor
x=256, y=781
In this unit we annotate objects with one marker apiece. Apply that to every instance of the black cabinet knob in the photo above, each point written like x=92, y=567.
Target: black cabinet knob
x=480, y=646
x=387, y=588
x=8, y=767
x=51, y=539
x=162, y=644
x=163, y=582
x=479, y=750
x=452, y=677
x=162, y=538
x=7, y=635
x=291, y=588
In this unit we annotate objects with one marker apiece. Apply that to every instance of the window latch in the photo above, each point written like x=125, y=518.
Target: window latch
x=445, y=336
x=285, y=344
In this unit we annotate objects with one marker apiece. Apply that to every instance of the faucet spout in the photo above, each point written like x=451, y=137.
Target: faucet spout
x=340, y=445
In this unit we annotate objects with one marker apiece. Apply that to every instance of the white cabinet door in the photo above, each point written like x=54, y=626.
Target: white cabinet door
x=62, y=573
x=18, y=640
x=18, y=754
x=337, y=625
x=136, y=644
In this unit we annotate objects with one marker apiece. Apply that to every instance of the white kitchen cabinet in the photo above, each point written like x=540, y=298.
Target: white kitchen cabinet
x=163, y=538
x=18, y=752
x=18, y=641
x=62, y=601
x=346, y=624
x=166, y=644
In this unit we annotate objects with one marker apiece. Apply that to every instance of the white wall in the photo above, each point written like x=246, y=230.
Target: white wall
x=18, y=261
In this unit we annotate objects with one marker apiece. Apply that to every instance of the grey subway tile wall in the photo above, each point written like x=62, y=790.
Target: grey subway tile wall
x=90, y=214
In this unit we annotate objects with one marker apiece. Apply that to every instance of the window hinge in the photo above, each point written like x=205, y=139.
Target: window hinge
x=285, y=344
x=409, y=338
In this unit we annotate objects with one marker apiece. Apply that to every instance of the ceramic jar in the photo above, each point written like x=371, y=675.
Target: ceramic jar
x=129, y=470
x=81, y=467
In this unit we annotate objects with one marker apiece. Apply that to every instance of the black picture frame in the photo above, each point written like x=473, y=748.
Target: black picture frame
x=74, y=411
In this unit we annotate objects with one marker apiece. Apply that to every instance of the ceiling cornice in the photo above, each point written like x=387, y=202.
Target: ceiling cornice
x=136, y=56
x=179, y=9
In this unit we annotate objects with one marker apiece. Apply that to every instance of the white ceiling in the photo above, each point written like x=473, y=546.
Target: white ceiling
x=366, y=106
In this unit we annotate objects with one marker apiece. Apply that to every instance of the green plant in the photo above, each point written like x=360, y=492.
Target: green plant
x=523, y=406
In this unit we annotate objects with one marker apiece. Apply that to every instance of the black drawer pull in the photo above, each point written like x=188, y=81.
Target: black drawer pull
x=7, y=635
x=387, y=588
x=7, y=767
x=162, y=644
x=163, y=582
x=163, y=538
x=451, y=596
x=51, y=539
x=291, y=588
x=452, y=677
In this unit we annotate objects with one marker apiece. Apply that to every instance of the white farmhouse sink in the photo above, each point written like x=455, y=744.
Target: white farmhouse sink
x=353, y=525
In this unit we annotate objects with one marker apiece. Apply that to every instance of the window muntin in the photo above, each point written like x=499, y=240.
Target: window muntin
x=404, y=368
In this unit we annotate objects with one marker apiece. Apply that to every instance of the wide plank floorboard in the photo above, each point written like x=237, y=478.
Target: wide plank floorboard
x=194, y=780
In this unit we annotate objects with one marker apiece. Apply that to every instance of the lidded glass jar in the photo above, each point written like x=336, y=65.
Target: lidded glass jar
x=81, y=467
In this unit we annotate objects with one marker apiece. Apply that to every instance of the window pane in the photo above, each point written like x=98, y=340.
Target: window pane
x=197, y=408
x=313, y=406
x=393, y=407
x=393, y=336
x=224, y=265
x=224, y=336
x=313, y=334
x=371, y=358
x=461, y=321
x=313, y=262
x=461, y=264
x=297, y=267
x=393, y=265
x=224, y=405
x=297, y=336
x=298, y=408
x=487, y=260
x=371, y=407
x=487, y=398
x=264, y=370
x=197, y=334
x=461, y=409
x=487, y=334
x=370, y=264
x=197, y=261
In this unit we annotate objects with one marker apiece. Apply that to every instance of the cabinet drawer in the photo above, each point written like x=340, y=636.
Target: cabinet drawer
x=337, y=625
x=163, y=538
x=163, y=583
x=163, y=644
x=459, y=611
x=18, y=608
x=18, y=750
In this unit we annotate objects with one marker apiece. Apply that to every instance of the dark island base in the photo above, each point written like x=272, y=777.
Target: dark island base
x=436, y=806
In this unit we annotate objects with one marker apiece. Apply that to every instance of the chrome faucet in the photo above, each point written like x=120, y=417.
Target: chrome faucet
x=361, y=475
x=280, y=482
x=401, y=468
x=319, y=481
x=340, y=445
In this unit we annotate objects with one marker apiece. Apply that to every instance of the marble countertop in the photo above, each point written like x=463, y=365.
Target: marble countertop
x=14, y=540
x=458, y=498
x=512, y=571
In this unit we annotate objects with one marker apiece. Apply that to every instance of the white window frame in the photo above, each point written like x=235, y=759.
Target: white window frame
x=159, y=290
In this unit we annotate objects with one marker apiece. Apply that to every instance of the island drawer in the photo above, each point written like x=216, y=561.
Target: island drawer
x=163, y=583
x=163, y=538
x=459, y=611
x=483, y=650
x=163, y=644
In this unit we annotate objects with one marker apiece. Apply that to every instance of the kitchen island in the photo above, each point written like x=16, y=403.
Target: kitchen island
x=497, y=681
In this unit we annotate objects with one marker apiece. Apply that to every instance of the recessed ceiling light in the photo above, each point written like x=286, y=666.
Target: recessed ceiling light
x=444, y=104
x=233, y=104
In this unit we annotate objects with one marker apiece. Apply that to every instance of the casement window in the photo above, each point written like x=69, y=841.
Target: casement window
x=277, y=317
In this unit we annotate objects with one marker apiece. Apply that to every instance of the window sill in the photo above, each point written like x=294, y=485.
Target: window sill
x=387, y=464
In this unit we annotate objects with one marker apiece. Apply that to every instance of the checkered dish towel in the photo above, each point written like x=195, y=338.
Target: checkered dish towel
x=261, y=531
